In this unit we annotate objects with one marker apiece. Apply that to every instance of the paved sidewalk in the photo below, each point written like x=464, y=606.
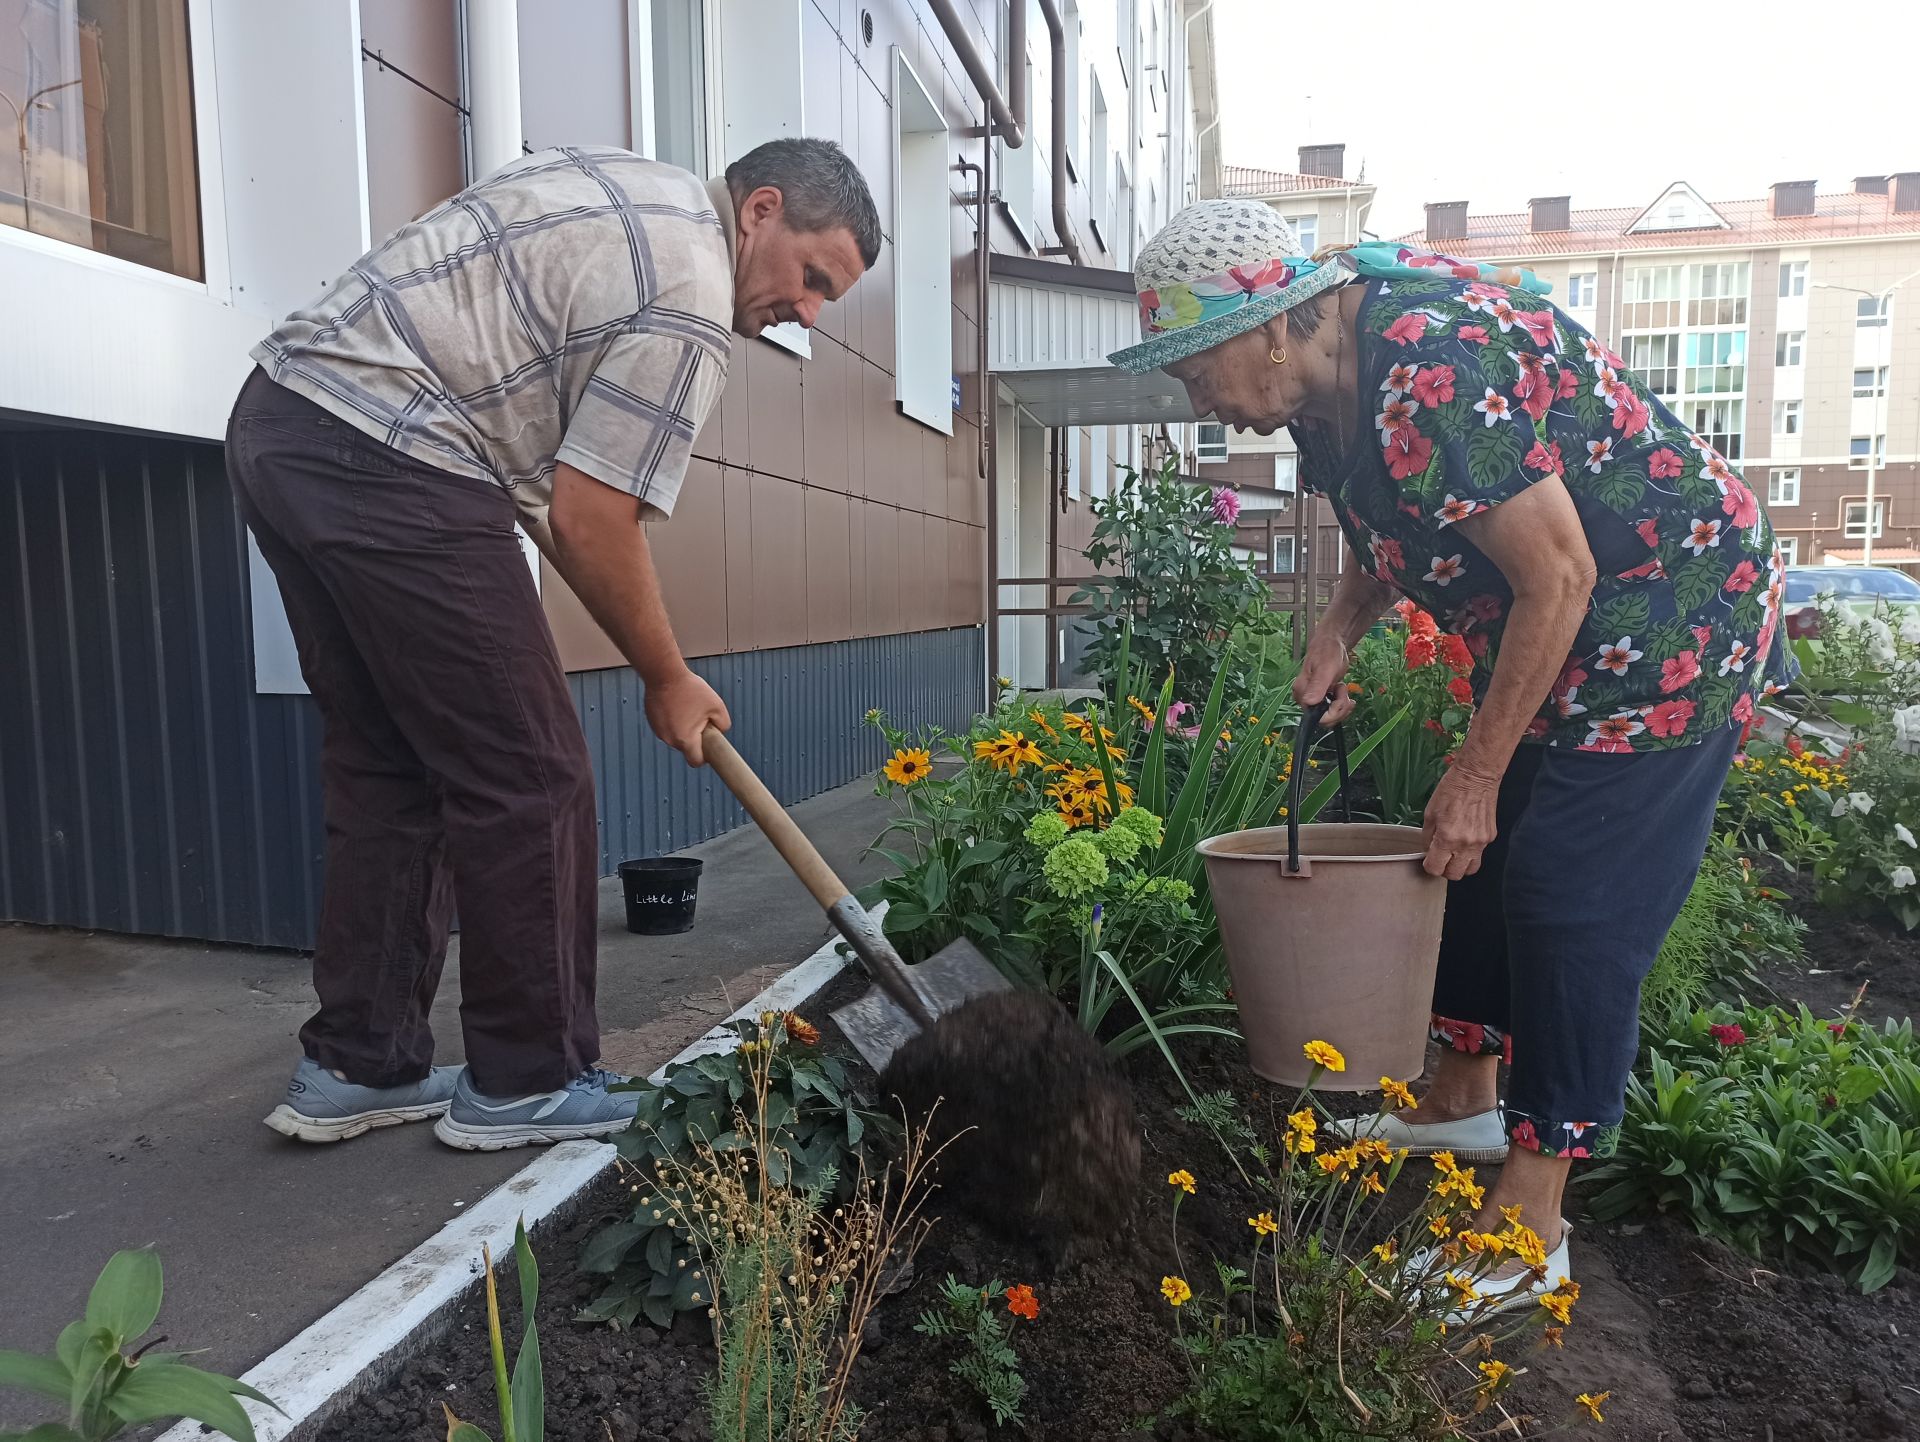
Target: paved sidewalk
x=135, y=1073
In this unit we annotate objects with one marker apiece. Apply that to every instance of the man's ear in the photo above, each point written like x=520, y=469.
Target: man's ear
x=761, y=206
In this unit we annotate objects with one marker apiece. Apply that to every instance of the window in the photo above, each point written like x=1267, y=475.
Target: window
x=1652, y=296
x=1014, y=168
x=1793, y=279
x=1100, y=160
x=1286, y=473
x=1307, y=227
x=1123, y=216
x=1283, y=555
x=1783, y=487
x=679, y=119
x=1789, y=549
x=98, y=127
x=1210, y=441
x=1870, y=311
x=1716, y=362
x=1786, y=418
x=1717, y=293
x=762, y=97
x=1076, y=117
x=1855, y=513
x=1789, y=348
x=922, y=261
x=1860, y=448
x=1720, y=424
x=1869, y=383
x=1582, y=289
x=1656, y=360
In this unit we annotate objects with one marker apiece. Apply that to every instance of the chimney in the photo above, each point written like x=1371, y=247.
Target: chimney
x=1324, y=160
x=1870, y=185
x=1551, y=212
x=1906, y=192
x=1792, y=197
x=1447, y=219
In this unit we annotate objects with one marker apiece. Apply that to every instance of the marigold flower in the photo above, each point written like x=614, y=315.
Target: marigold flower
x=1397, y=1093
x=1371, y=1183
x=1526, y=1244
x=1321, y=1053
x=908, y=765
x=1022, y=1303
x=1303, y=1120
x=1146, y=711
x=1444, y=1163
x=801, y=1030
x=1345, y=1161
x=1559, y=1304
x=1591, y=1401
x=1183, y=1179
x=1495, y=1372
x=1387, y=1250
x=1372, y=1149
x=1264, y=1224
x=1463, y=1289
x=1511, y=1215
x=1175, y=1290
x=1438, y=1226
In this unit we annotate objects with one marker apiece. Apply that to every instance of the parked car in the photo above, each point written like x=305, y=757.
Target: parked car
x=1867, y=590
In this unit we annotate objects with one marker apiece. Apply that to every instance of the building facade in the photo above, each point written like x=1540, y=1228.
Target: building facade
x=1786, y=330
x=187, y=171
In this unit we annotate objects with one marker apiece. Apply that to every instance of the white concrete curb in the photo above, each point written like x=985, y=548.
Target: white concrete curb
x=312, y=1372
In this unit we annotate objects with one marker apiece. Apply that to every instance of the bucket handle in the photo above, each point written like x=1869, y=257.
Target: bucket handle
x=1303, y=738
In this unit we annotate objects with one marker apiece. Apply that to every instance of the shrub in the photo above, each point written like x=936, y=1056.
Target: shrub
x=1779, y=1134
x=1728, y=927
x=1420, y=672
x=826, y=1141
x=1870, y=867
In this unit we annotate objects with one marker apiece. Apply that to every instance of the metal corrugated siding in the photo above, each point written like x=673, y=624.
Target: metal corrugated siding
x=144, y=787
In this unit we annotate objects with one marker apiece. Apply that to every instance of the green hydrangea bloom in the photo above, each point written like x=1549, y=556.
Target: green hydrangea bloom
x=1074, y=867
x=1047, y=830
x=1142, y=823
x=1118, y=843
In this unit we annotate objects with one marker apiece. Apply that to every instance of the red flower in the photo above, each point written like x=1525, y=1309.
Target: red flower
x=1743, y=577
x=1485, y=608
x=1477, y=643
x=1664, y=464
x=1421, y=623
x=1727, y=1033
x=1524, y=1135
x=1632, y=417
x=1703, y=634
x=1569, y=386
x=1408, y=452
x=1678, y=672
x=1433, y=385
x=1434, y=726
x=1838, y=1028
x=1460, y=690
x=1739, y=502
x=1795, y=746
x=1670, y=718
x=1743, y=709
x=1022, y=1303
x=1572, y=676
x=1407, y=329
x=1538, y=324
x=1387, y=552
x=1544, y=458
x=1649, y=530
x=1420, y=652
x=1453, y=650
x=1533, y=391
x=1538, y=727
x=1475, y=333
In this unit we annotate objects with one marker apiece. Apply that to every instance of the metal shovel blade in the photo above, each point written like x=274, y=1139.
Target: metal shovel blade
x=946, y=981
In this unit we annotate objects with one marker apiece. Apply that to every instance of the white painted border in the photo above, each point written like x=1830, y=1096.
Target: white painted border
x=312, y=1373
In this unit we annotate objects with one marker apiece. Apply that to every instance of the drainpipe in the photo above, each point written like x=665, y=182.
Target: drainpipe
x=1069, y=245
x=1009, y=118
x=493, y=84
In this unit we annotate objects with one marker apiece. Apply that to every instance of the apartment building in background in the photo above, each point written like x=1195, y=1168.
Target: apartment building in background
x=187, y=171
x=1767, y=325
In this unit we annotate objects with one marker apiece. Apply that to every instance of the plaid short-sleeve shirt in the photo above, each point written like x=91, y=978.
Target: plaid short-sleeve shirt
x=575, y=306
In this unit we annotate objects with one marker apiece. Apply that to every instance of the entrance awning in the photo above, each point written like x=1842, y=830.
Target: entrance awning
x=1050, y=329
x=1882, y=556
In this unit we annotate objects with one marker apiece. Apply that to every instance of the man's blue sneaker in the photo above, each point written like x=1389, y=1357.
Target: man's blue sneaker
x=321, y=1107
x=582, y=1109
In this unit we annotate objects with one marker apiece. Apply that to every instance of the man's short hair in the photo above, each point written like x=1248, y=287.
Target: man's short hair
x=820, y=186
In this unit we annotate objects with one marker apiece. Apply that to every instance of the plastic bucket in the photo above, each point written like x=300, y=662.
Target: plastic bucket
x=1342, y=950
x=660, y=893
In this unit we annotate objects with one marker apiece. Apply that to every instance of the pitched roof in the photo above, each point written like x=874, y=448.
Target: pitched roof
x=1749, y=223
x=1247, y=180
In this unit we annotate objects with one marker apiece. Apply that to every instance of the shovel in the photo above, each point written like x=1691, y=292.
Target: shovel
x=904, y=1000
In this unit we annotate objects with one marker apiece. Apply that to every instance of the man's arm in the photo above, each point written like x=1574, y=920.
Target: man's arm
x=596, y=542
x=1356, y=603
x=1539, y=545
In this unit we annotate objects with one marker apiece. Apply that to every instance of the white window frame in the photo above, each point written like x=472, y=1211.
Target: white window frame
x=922, y=253
x=1853, y=516
x=1793, y=279
x=1875, y=318
x=1587, y=285
x=1284, y=540
x=1789, y=549
x=1786, y=418
x=1790, y=350
x=1286, y=473
x=1071, y=24
x=1100, y=163
x=1783, y=486
x=1310, y=238
x=1205, y=450
x=1876, y=449
x=1876, y=384
x=1014, y=169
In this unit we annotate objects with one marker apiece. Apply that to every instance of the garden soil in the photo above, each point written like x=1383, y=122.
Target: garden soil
x=1696, y=1343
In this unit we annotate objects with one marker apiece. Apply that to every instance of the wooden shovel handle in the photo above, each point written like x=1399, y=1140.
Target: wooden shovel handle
x=772, y=819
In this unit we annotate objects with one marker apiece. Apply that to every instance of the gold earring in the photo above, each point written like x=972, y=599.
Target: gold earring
x=1279, y=358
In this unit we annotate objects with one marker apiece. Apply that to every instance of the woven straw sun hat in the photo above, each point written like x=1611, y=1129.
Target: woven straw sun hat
x=1216, y=270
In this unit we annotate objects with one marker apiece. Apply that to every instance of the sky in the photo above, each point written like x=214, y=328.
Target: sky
x=1497, y=103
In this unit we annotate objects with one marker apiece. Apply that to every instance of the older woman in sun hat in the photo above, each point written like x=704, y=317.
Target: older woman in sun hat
x=1615, y=580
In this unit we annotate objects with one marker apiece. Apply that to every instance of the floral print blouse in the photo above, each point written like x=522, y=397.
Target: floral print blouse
x=1471, y=392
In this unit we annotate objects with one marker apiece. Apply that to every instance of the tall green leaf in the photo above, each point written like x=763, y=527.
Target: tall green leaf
x=35, y=1374
x=1323, y=793
x=148, y=1393
x=1153, y=766
x=1193, y=791
x=126, y=1299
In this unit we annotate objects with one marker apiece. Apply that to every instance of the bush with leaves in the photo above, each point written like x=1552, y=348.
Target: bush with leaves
x=1730, y=925
x=1872, y=867
x=1784, y=796
x=102, y=1388
x=987, y=1362
x=1172, y=590
x=826, y=1141
x=1780, y=1134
